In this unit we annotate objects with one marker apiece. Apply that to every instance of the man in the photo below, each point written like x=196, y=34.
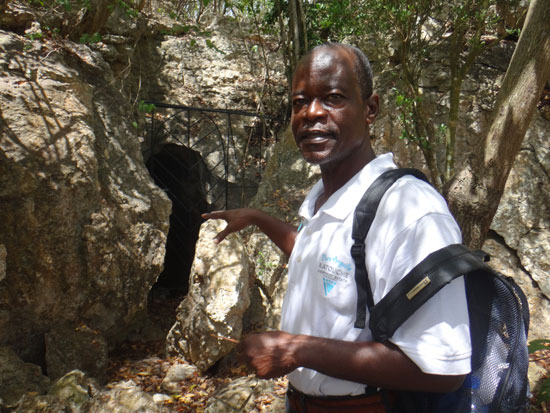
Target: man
x=319, y=348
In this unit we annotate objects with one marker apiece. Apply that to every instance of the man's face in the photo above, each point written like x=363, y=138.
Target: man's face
x=329, y=116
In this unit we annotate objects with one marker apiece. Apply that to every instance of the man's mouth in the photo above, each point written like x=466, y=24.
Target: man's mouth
x=313, y=137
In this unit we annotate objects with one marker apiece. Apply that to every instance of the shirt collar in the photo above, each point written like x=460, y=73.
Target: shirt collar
x=344, y=201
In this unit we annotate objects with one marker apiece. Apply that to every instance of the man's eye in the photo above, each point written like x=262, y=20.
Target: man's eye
x=334, y=97
x=298, y=103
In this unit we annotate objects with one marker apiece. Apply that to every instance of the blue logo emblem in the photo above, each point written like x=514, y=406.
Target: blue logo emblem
x=328, y=285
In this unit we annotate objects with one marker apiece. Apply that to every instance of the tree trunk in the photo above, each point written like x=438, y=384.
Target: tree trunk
x=298, y=33
x=475, y=191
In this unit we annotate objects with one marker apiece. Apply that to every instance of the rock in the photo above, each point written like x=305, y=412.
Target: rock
x=218, y=297
x=76, y=348
x=523, y=216
x=243, y=394
x=84, y=226
x=3, y=254
x=505, y=260
x=75, y=392
x=186, y=71
x=74, y=389
x=125, y=397
x=536, y=374
x=175, y=375
x=160, y=398
x=41, y=404
x=18, y=378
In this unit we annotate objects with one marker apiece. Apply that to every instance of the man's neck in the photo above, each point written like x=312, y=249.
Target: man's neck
x=335, y=177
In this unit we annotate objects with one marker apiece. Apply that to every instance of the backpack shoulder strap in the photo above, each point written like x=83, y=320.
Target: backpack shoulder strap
x=362, y=221
x=420, y=284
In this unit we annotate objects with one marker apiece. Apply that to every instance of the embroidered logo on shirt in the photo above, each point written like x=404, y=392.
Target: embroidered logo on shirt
x=333, y=271
x=328, y=285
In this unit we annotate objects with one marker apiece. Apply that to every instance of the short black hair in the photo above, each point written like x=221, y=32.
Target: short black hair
x=362, y=67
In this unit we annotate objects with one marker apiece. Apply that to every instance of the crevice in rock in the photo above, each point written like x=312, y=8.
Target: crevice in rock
x=535, y=159
x=495, y=236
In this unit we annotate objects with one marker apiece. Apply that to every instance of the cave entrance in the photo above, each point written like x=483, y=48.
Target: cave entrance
x=177, y=170
x=204, y=159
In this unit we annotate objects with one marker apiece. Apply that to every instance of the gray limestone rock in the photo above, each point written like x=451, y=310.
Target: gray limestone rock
x=83, y=226
x=218, y=297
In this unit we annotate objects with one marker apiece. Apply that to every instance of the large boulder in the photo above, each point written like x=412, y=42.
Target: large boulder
x=83, y=226
x=239, y=284
x=209, y=320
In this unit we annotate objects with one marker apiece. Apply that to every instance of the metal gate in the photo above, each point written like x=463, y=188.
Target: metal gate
x=233, y=159
x=203, y=159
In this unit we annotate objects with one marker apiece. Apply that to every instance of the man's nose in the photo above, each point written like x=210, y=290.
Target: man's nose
x=315, y=109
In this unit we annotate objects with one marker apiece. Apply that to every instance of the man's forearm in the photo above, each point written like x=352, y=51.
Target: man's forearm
x=281, y=233
x=276, y=353
x=375, y=364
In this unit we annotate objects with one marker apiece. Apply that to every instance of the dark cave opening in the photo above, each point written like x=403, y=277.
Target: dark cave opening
x=179, y=171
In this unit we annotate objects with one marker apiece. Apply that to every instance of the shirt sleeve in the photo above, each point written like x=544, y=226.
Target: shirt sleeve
x=436, y=337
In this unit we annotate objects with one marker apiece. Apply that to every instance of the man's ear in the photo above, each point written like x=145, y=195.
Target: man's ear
x=372, y=104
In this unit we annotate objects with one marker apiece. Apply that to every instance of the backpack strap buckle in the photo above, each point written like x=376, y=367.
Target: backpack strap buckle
x=358, y=251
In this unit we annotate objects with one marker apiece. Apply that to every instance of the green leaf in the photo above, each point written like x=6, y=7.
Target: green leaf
x=541, y=344
x=146, y=107
x=88, y=39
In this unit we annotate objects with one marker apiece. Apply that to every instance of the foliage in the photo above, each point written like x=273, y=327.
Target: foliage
x=419, y=28
x=146, y=107
x=87, y=38
x=66, y=5
x=536, y=345
x=415, y=28
x=81, y=20
x=263, y=265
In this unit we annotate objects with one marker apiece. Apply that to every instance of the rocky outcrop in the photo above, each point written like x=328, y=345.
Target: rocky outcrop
x=209, y=320
x=523, y=216
x=523, y=223
x=83, y=225
x=76, y=392
x=227, y=68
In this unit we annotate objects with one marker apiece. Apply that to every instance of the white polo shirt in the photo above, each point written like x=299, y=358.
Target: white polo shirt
x=411, y=222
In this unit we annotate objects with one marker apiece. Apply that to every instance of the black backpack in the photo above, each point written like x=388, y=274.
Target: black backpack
x=497, y=307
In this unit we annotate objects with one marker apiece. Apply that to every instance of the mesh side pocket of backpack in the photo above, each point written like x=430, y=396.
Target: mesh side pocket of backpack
x=499, y=353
